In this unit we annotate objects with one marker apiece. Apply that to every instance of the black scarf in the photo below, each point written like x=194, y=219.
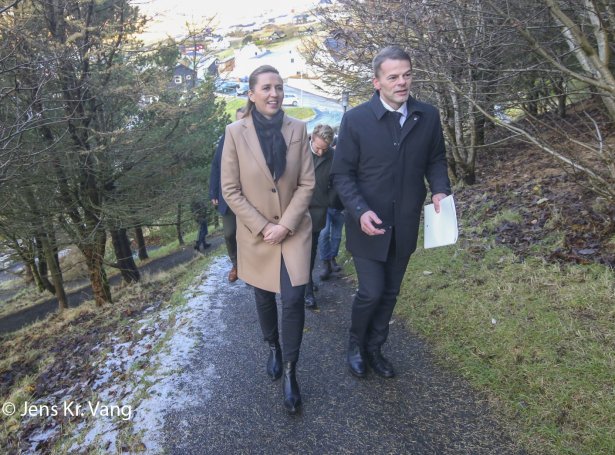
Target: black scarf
x=269, y=132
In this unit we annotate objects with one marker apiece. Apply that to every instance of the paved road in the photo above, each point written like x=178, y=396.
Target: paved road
x=423, y=410
x=327, y=111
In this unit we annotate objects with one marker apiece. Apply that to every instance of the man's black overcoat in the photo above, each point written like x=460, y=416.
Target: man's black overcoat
x=374, y=170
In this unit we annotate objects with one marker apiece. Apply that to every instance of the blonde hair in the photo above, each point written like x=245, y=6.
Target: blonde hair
x=325, y=132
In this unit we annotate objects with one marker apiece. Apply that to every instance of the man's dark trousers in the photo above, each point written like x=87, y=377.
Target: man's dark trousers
x=372, y=308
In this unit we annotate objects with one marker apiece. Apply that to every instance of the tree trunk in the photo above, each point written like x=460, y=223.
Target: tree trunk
x=29, y=275
x=42, y=267
x=55, y=271
x=123, y=254
x=94, y=253
x=178, y=225
x=452, y=166
x=30, y=265
x=531, y=106
x=560, y=91
x=469, y=176
x=141, y=247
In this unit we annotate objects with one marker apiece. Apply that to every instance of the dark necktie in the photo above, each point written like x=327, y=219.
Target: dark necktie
x=397, y=116
x=396, y=119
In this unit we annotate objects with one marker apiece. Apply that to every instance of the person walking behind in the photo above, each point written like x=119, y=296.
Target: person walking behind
x=322, y=154
x=268, y=181
x=387, y=147
x=199, y=211
x=229, y=223
x=329, y=241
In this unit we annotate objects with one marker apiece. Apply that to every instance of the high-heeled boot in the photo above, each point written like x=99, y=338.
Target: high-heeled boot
x=292, y=396
x=274, y=363
x=309, y=299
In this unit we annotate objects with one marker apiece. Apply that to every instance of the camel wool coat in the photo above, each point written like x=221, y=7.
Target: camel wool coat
x=254, y=197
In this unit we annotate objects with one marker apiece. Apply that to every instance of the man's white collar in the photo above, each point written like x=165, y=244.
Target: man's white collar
x=403, y=110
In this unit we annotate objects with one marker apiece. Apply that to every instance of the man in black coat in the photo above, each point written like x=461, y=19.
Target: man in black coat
x=322, y=154
x=229, y=222
x=386, y=149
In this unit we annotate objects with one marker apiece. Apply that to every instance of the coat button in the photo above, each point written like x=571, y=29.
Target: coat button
x=273, y=190
x=276, y=217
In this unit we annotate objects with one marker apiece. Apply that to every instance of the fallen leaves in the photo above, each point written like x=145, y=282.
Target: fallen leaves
x=559, y=219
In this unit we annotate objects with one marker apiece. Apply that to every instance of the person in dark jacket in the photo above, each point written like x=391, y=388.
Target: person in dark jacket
x=229, y=223
x=386, y=149
x=198, y=208
x=322, y=154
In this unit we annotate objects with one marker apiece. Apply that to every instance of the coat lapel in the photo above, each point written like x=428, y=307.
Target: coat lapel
x=287, y=130
x=254, y=146
x=414, y=116
x=411, y=121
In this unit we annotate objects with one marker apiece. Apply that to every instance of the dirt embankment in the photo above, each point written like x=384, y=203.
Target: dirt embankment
x=533, y=204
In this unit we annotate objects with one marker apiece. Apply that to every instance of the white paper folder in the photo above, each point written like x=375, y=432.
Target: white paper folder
x=441, y=228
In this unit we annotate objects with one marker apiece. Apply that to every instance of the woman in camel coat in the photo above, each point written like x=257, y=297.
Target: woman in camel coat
x=267, y=180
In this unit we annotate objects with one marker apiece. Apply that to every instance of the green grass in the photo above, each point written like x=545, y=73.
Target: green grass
x=538, y=337
x=232, y=104
x=34, y=348
x=272, y=46
x=171, y=247
x=506, y=216
x=225, y=53
x=301, y=113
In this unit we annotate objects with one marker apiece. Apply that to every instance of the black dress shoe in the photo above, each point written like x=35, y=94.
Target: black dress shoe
x=380, y=365
x=335, y=266
x=290, y=388
x=355, y=360
x=326, y=274
x=274, y=363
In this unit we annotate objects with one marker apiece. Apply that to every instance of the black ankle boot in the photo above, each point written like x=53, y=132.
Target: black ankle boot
x=292, y=396
x=326, y=274
x=309, y=299
x=274, y=363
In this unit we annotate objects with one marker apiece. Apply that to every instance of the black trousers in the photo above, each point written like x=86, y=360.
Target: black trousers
x=372, y=308
x=293, y=315
x=315, y=236
x=229, y=223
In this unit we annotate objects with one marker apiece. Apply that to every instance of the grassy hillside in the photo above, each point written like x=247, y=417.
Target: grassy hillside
x=523, y=305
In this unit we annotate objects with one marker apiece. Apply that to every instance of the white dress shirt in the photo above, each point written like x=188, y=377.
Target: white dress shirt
x=403, y=110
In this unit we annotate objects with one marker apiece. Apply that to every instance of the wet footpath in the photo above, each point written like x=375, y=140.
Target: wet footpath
x=220, y=400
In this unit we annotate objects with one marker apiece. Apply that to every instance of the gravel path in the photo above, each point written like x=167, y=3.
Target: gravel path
x=229, y=405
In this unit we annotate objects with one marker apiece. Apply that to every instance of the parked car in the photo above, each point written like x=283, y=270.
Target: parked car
x=243, y=88
x=227, y=87
x=290, y=100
